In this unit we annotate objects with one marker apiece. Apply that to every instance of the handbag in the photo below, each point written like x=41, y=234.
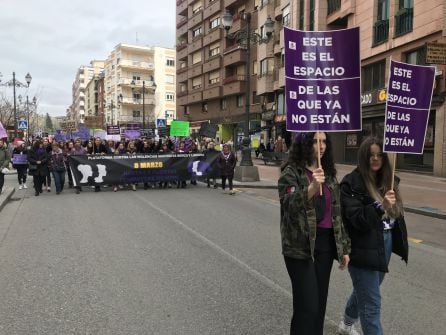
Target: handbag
x=32, y=167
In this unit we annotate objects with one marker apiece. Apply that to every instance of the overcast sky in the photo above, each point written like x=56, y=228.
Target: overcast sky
x=50, y=39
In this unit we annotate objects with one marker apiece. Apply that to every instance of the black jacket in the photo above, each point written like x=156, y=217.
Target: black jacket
x=365, y=226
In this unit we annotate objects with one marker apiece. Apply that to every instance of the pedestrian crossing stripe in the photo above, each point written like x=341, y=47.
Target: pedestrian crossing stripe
x=22, y=125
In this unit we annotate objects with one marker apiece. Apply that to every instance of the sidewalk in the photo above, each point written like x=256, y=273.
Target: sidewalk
x=422, y=194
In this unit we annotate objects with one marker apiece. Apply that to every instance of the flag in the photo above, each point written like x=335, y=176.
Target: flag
x=3, y=132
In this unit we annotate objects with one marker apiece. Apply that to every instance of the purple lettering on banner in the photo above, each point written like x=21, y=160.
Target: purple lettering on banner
x=322, y=80
x=409, y=96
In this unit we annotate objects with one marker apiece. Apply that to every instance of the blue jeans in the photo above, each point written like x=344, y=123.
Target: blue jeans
x=365, y=300
x=59, y=180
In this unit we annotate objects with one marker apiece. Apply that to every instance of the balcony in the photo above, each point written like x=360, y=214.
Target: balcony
x=265, y=83
x=138, y=102
x=137, y=83
x=380, y=32
x=182, y=29
x=404, y=21
x=234, y=85
x=338, y=10
x=279, y=78
x=182, y=53
x=136, y=65
x=212, y=93
x=195, y=19
x=235, y=56
x=195, y=97
x=277, y=10
x=182, y=77
x=197, y=44
x=228, y=3
x=182, y=101
x=182, y=94
x=195, y=70
x=212, y=36
x=212, y=9
x=182, y=7
x=212, y=64
x=181, y=22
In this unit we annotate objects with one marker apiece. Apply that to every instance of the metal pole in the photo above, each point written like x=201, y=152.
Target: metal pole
x=27, y=110
x=143, y=107
x=248, y=72
x=15, y=108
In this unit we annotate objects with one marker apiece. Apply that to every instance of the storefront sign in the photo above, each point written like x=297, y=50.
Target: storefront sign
x=322, y=80
x=374, y=97
x=436, y=53
x=408, y=104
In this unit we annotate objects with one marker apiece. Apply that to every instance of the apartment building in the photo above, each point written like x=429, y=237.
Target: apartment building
x=83, y=76
x=139, y=85
x=211, y=83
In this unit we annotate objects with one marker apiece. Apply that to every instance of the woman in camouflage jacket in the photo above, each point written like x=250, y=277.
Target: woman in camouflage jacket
x=312, y=231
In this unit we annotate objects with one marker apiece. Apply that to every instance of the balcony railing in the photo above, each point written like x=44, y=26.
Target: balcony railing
x=232, y=79
x=380, y=31
x=134, y=63
x=404, y=21
x=333, y=6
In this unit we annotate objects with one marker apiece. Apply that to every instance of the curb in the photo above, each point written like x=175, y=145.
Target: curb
x=5, y=196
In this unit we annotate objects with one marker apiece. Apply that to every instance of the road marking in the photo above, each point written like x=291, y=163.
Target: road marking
x=414, y=240
x=262, y=278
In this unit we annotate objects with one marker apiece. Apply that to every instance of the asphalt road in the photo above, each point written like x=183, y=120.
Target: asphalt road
x=191, y=261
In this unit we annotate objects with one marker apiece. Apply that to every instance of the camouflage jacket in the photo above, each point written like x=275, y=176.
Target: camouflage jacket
x=298, y=215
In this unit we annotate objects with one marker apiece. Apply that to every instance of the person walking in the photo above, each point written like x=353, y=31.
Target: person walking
x=47, y=180
x=209, y=153
x=226, y=163
x=373, y=213
x=20, y=163
x=78, y=150
x=38, y=165
x=5, y=158
x=57, y=167
x=312, y=231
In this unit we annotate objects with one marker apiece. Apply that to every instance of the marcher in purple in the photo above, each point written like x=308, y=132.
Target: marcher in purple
x=19, y=165
x=38, y=165
x=373, y=214
x=57, y=166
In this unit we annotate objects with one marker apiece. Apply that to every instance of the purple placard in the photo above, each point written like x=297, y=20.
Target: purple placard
x=323, y=80
x=18, y=159
x=409, y=96
x=133, y=126
x=132, y=134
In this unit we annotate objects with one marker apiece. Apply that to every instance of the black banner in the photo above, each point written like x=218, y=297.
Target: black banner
x=141, y=168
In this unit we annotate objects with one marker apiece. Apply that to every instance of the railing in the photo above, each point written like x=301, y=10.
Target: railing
x=333, y=6
x=181, y=46
x=181, y=94
x=404, y=21
x=182, y=22
x=133, y=63
x=380, y=31
x=232, y=79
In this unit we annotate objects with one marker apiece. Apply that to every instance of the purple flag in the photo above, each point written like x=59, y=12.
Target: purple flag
x=132, y=134
x=3, y=132
x=409, y=96
x=322, y=80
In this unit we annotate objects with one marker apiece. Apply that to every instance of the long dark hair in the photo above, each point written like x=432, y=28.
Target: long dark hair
x=378, y=183
x=36, y=145
x=302, y=154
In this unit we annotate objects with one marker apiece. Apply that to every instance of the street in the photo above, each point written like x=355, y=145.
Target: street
x=193, y=261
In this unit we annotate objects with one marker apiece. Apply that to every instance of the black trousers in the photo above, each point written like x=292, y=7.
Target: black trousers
x=223, y=181
x=2, y=181
x=47, y=180
x=38, y=182
x=21, y=173
x=310, y=281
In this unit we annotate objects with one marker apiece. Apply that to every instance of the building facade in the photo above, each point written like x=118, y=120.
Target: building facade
x=211, y=68
x=138, y=80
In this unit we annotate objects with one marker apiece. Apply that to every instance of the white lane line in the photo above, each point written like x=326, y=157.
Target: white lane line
x=262, y=278
x=265, y=280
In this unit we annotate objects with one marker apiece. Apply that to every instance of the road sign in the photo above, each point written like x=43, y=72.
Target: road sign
x=22, y=124
x=161, y=123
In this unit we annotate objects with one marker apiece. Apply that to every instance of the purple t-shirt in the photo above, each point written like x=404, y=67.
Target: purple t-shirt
x=327, y=220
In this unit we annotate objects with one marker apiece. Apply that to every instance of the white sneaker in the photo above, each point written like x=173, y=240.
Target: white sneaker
x=20, y=186
x=343, y=329
x=24, y=186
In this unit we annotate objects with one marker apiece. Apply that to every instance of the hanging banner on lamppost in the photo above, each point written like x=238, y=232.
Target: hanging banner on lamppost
x=409, y=98
x=323, y=80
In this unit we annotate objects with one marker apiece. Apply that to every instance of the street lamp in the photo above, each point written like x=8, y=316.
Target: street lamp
x=34, y=103
x=15, y=83
x=153, y=86
x=247, y=37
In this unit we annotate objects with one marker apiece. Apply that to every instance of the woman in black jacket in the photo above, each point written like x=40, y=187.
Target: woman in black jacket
x=373, y=213
x=226, y=162
x=38, y=165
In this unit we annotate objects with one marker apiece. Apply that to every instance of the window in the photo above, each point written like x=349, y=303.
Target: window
x=301, y=14
x=383, y=10
x=196, y=83
x=223, y=104
x=417, y=57
x=136, y=78
x=266, y=66
x=197, y=32
x=214, y=22
x=280, y=104
x=254, y=67
x=381, y=26
x=204, y=107
x=136, y=113
x=405, y=4
x=169, y=114
x=136, y=96
x=373, y=76
x=197, y=7
x=170, y=62
x=240, y=100
x=170, y=79
x=196, y=57
x=170, y=97
x=286, y=20
x=214, y=49
x=404, y=17
x=214, y=77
